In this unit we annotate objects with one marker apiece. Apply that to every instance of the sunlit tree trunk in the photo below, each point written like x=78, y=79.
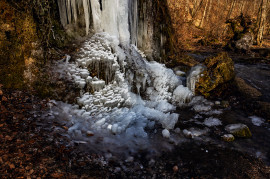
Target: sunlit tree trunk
x=261, y=21
x=242, y=6
x=186, y=8
x=231, y=9
x=194, y=7
x=209, y=10
x=197, y=7
x=204, y=13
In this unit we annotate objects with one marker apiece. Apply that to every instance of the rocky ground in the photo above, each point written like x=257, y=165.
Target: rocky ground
x=28, y=150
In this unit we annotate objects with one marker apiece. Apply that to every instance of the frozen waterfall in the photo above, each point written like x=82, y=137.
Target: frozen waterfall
x=127, y=93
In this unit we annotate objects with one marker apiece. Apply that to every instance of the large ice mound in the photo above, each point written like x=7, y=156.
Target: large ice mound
x=121, y=92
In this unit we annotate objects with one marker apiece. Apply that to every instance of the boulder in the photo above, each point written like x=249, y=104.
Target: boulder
x=238, y=130
x=247, y=90
x=219, y=71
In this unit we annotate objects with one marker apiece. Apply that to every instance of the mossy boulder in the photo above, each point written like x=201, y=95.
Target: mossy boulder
x=238, y=130
x=219, y=72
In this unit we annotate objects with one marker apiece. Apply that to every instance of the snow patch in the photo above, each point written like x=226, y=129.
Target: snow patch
x=210, y=122
x=257, y=121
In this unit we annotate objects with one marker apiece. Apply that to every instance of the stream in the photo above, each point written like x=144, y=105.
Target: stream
x=201, y=123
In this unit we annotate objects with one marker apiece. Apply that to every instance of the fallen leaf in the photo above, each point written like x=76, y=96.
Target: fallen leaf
x=31, y=172
x=65, y=127
x=4, y=99
x=57, y=175
x=11, y=166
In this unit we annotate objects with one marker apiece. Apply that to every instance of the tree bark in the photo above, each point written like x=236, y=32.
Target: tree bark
x=261, y=21
x=231, y=9
x=204, y=13
x=186, y=8
x=243, y=6
x=209, y=10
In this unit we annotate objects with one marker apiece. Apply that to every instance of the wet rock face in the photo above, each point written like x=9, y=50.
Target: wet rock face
x=220, y=71
x=247, y=90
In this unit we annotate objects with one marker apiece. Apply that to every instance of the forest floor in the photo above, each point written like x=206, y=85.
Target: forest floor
x=28, y=150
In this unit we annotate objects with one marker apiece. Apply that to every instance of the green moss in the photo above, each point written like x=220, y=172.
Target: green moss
x=220, y=70
x=17, y=32
x=228, y=138
x=244, y=133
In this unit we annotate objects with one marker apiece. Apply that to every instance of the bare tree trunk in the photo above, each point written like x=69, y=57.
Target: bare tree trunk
x=209, y=10
x=254, y=6
x=186, y=8
x=196, y=8
x=204, y=13
x=243, y=7
x=261, y=21
x=231, y=9
x=229, y=14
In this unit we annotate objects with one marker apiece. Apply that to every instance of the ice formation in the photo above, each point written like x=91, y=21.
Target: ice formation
x=122, y=92
x=257, y=121
x=194, y=132
x=112, y=99
x=194, y=75
x=70, y=10
x=210, y=122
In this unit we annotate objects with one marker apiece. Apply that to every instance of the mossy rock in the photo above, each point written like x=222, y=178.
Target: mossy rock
x=239, y=130
x=228, y=138
x=220, y=71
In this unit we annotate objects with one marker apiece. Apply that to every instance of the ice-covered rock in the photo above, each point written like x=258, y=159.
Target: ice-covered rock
x=182, y=95
x=194, y=132
x=210, y=122
x=166, y=133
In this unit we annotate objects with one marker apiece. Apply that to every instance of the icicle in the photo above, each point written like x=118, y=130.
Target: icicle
x=138, y=86
x=133, y=21
x=96, y=14
x=62, y=12
x=68, y=11
x=86, y=14
x=74, y=10
x=194, y=76
x=144, y=81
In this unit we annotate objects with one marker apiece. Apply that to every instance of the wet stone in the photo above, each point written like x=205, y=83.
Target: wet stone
x=227, y=138
x=239, y=130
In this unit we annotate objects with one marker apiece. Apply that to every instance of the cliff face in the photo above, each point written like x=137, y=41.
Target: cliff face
x=18, y=40
x=28, y=30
